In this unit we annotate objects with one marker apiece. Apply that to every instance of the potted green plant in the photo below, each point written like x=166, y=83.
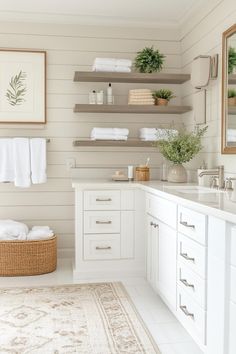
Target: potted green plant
x=162, y=96
x=180, y=148
x=231, y=60
x=232, y=97
x=149, y=60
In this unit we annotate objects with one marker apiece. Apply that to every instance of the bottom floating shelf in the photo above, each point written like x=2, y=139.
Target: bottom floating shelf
x=127, y=143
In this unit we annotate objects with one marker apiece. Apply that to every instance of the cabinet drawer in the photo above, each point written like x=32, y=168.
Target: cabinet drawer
x=233, y=247
x=162, y=209
x=192, y=224
x=192, y=316
x=101, y=247
x=101, y=222
x=102, y=200
x=194, y=285
x=192, y=255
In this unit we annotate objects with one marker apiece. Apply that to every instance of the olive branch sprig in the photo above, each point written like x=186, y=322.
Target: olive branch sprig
x=15, y=94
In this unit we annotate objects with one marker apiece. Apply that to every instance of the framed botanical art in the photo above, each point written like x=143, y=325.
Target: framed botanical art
x=22, y=86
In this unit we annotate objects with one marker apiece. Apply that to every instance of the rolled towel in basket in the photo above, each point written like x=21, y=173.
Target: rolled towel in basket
x=40, y=233
x=13, y=230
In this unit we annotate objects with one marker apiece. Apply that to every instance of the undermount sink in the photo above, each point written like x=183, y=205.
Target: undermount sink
x=194, y=189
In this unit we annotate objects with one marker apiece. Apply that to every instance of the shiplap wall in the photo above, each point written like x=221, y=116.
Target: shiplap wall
x=202, y=34
x=71, y=48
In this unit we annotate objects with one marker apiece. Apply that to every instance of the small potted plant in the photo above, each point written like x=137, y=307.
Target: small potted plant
x=231, y=60
x=162, y=97
x=149, y=60
x=232, y=97
x=180, y=148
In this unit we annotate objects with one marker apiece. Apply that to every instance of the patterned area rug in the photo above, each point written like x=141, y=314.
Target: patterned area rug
x=85, y=319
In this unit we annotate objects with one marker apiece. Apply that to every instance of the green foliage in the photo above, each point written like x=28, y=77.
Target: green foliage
x=164, y=94
x=231, y=60
x=149, y=60
x=15, y=94
x=231, y=93
x=183, y=147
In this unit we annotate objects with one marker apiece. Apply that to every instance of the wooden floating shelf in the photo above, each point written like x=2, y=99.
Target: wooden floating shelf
x=127, y=143
x=232, y=79
x=231, y=109
x=144, y=109
x=94, y=76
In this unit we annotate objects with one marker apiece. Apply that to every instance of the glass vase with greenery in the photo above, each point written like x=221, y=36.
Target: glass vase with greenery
x=180, y=148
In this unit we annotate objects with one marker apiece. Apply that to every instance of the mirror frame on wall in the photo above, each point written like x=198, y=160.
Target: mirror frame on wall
x=224, y=148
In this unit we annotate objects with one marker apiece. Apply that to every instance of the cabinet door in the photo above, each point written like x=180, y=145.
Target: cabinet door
x=152, y=252
x=167, y=278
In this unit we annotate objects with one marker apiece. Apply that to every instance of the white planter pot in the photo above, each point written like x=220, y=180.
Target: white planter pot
x=177, y=173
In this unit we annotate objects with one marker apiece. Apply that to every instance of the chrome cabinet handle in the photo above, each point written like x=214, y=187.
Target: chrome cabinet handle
x=154, y=224
x=103, y=222
x=184, y=223
x=103, y=248
x=186, y=312
x=185, y=256
x=185, y=282
x=103, y=200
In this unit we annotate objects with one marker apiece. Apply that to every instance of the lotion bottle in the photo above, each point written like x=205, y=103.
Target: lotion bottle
x=109, y=95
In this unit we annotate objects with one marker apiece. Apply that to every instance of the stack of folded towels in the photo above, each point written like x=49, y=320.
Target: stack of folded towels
x=155, y=134
x=141, y=96
x=231, y=135
x=17, y=231
x=109, y=134
x=112, y=65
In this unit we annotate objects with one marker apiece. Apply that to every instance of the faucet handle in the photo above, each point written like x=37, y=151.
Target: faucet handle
x=214, y=182
x=229, y=184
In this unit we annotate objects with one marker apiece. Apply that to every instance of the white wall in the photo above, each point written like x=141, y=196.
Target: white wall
x=71, y=48
x=202, y=34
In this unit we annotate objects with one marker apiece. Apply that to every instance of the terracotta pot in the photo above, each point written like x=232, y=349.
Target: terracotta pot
x=162, y=102
x=177, y=173
x=232, y=101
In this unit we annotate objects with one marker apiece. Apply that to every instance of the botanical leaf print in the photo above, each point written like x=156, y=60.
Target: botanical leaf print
x=17, y=90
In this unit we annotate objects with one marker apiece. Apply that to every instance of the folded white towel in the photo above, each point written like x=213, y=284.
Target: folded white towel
x=150, y=138
x=7, y=173
x=161, y=134
x=38, y=160
x=144, y=131
x=113, y=62
x=111, y=68
x=109, y=131
x=21, y=150
x=39, y=234
x=13, y=230
x=109, y=137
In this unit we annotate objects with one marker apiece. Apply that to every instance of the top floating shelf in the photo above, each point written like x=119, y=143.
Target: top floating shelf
x=94, y=76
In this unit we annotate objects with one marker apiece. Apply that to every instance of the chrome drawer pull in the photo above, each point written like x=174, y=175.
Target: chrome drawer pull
x=103, y=248
x=184, y=223
x=154, y=224
x=184, y=281
x=103, y=200
x=185, y=311
x=185, y=256
x=103, y=222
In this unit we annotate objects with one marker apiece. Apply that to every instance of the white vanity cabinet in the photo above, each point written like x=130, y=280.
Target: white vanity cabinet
x=109, y=240
x=161, y=247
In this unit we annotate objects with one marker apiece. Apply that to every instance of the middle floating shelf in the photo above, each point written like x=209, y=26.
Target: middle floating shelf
x=125, y=143
x=143, y=109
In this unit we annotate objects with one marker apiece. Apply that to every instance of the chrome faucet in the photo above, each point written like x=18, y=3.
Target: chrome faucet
x=218, y=172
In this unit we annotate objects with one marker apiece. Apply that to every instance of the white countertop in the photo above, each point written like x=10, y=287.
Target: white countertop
x=219, y=204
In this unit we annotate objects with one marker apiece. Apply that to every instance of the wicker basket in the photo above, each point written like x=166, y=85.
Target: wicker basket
x=28, y=257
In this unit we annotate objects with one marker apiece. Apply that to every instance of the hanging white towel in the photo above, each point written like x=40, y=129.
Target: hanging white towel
x=21, y=151
x=38, y=160
x=6, y=161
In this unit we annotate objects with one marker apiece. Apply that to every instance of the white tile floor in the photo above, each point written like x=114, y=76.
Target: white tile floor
x=170, y=336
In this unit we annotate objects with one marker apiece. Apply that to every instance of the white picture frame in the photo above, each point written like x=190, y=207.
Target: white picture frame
x=22, y=86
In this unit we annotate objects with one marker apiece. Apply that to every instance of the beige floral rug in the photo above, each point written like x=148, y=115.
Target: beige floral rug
x=85, y=319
